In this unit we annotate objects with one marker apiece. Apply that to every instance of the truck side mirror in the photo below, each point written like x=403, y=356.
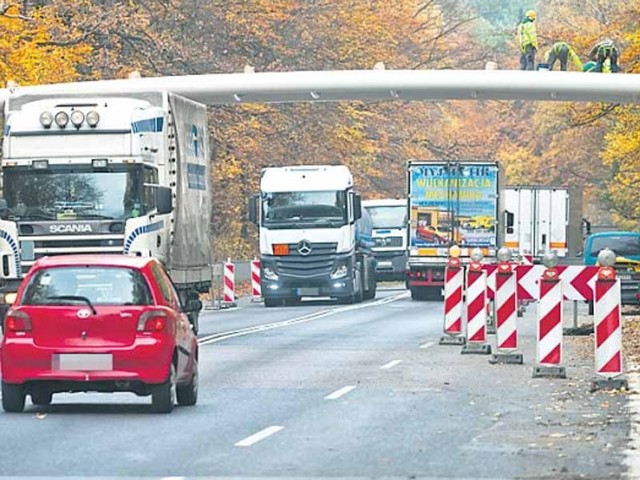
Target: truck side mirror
x=164, y=200
x=253, y=208
x=510, y=220
x=357, y=207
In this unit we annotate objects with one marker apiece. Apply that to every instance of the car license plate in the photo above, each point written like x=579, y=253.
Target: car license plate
x=308, y=292
x=83, y=361
x=385, y=264
x=624, y=276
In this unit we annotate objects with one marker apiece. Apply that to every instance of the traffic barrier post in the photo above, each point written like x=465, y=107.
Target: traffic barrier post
x=256, y=284
x=506, y=312
x=476, y=307
x=549, y=322
x=453, y=293
x=607, y=327
x=229, y=295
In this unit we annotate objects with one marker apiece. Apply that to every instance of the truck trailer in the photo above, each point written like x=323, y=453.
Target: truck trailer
x=450, y=203
x=113, y=174
x=315, y=237
x=389, y=221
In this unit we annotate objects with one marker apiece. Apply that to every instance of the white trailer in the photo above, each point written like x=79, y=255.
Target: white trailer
x=120, y=174
x=542, y=219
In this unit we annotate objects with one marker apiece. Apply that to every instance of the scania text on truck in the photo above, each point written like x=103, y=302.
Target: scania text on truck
x=542, y=219
x=107, y=174
x=389, y=220
x=315, y=237
x=450, y=203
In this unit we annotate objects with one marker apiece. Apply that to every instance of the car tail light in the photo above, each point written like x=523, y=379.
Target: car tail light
x=152, y=321
x=17, y=321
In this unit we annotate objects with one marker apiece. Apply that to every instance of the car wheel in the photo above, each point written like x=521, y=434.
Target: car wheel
x=188, y=393
x=163, y=396
x=41, y=398
x=13, y=398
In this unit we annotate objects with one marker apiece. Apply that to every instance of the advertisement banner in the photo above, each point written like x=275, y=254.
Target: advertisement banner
x=453, y=204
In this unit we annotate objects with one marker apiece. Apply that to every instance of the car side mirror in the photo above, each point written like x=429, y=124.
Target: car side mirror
x=164, y=200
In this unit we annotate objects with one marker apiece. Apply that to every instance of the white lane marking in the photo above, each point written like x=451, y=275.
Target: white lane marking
x=257, y=437
x=218, y=337
x=339, y=393
x=390, y=365
x=427, y=345
x=632, y=453
x=173, y=478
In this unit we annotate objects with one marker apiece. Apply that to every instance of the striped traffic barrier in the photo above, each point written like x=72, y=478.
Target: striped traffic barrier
x=453, y=293
x=256, y=285
x=229, y=292
x=549, y=322
x=506, y=311
x=476, y=307
x=607, y=328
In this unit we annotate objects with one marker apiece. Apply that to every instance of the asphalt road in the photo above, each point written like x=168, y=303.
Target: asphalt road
x=323, y=390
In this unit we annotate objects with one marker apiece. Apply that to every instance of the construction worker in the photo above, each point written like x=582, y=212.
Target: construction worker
x=562, y=51
x=605, y=54
x=528, y=40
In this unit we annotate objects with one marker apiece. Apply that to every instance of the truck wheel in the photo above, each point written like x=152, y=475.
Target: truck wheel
x=271, y=302
x=41, y=398
x=371, y=293
x=13, y=398
x=163, y=396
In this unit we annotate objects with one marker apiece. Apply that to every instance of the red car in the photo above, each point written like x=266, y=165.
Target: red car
x=101, y=323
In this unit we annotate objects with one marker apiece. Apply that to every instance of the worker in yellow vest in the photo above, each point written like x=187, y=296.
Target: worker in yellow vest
x=562, y=51
x=528, y=41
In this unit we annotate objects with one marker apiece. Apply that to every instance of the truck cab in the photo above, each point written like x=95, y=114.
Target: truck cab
x=389, y=220
x=314, y=241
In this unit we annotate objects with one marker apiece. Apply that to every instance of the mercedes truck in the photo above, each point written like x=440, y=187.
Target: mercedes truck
x=315, y=237
x=119, y=174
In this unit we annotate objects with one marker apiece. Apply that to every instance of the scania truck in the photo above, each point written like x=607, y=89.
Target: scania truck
x=315, y=237
x=389, y=219
x=450, y=203
x=113, y=174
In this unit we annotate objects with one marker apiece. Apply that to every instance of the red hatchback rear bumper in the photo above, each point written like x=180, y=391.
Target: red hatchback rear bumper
x=146, y=361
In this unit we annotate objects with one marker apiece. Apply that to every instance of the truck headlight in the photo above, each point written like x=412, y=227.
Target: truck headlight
x=270, y=274
x=340, y=271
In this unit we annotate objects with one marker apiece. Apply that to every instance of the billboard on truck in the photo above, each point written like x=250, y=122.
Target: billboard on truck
x=453, y=203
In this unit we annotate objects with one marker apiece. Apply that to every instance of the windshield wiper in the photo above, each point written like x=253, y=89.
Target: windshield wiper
x=77, y=298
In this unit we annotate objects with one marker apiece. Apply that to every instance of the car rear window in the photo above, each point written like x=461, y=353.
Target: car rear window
x=622, y=245
x=101, y=285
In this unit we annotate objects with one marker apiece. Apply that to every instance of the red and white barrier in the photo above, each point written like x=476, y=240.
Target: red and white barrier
x=608, y=331
x=229, y=295
x=476, y=310
x=549, y=327
x=256, y=284
x=453, y=292
x=506, y=308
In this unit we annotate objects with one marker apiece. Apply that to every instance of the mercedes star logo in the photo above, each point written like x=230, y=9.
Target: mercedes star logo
x=304, y=248
x=83, y=313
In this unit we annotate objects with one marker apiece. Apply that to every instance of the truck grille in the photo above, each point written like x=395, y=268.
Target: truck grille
x=319, y=262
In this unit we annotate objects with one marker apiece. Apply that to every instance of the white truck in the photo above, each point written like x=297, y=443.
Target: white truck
x=120, y=174
x=541, y=219
x=389, y=221
x=315, y=237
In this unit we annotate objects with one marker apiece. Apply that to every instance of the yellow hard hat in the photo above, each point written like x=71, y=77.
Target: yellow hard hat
x=531, y=14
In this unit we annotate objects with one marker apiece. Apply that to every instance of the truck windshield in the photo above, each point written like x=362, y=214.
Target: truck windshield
x=388, y=217
x=69, y=193
x=622, y=245
x=304, y=209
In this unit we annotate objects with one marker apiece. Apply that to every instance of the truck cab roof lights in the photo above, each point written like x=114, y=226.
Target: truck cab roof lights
x=40, y=164
x=77, y=118
x=62, y=119
x=46, y=119
x=93, y=118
